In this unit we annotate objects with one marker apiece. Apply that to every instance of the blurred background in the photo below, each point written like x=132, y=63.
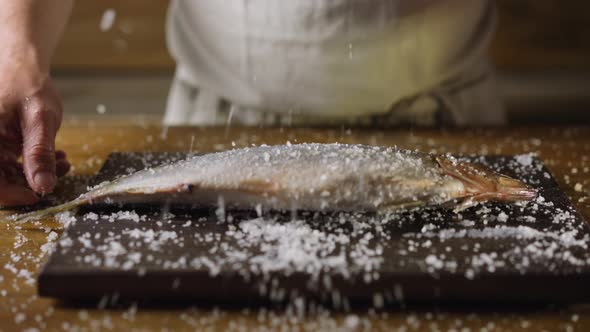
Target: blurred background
x=113, y=61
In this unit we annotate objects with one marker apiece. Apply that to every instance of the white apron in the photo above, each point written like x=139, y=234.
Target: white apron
x=331, y=62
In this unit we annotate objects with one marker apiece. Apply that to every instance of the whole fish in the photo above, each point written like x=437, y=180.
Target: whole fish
x=318, y=177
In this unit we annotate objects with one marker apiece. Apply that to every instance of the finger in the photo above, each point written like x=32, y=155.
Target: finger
x=39, y=127
x=62, y=167
x=12, y=194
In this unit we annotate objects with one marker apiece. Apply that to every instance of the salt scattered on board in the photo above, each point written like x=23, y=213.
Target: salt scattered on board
x=347, y=245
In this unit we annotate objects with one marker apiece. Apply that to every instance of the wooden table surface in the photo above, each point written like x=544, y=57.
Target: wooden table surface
x=566, y=151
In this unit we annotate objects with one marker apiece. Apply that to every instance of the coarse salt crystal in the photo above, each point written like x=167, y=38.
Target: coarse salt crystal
x=352, y=321
x=66, y=242
x=52, y=236
x=47, y=247
x=433, y=261
x=524, y=159
x=19, y=318
x=91, y=216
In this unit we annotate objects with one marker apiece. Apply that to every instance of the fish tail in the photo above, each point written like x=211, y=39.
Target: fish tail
x=483, y=184
x=50, y=211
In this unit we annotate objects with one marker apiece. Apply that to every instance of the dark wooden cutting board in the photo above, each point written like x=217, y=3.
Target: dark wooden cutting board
x=489, y=253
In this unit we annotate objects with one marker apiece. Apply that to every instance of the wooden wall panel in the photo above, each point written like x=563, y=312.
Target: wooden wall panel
x=135, y=41
x=532, y=35
x=543, y=34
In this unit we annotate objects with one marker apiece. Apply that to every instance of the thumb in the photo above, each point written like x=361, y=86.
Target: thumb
x=39, y=127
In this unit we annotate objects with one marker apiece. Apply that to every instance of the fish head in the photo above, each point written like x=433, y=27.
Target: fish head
x=483, y=184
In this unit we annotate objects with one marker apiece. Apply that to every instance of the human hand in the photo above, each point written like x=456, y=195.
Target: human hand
x=30, y=116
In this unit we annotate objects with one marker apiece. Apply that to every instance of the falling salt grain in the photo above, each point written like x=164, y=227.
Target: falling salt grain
x=378, y=300
x=502, y=217
x=176, y=283
x=103, y=302
x=578, y=187
x=107, y=19
x=83, y=315
x=101, y=109
x=220, y=211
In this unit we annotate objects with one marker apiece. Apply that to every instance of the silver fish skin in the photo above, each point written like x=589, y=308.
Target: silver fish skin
x=313, y=177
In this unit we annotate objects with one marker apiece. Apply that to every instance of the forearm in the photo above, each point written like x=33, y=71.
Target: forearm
x=30, y=107
x=31, y=29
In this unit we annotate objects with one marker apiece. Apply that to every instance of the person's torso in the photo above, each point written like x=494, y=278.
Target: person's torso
x=337, y=57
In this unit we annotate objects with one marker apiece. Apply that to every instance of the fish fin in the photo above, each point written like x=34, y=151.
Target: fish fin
x=471, y=201
x=465, y=204
x=485, y=184
x=50, y=211
x=472, y=176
